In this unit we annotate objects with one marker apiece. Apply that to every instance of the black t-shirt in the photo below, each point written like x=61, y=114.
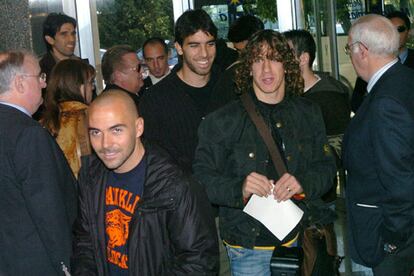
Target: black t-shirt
x=266, y=238
x=122, y=193
x=200, y=95
x=172, y=111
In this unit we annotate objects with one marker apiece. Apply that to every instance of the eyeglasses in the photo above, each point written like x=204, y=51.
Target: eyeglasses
x=41, y=76
x=401, y=28
x=348, y=47
x=136, y=68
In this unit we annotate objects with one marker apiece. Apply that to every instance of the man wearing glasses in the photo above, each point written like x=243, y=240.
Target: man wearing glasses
x=406, y=56
x=121, y=70
x=378, y=152
x=38, y=190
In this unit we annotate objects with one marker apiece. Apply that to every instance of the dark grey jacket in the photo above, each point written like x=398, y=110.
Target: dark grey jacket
x=172, y=231
x=230, y=148
x=37, y=198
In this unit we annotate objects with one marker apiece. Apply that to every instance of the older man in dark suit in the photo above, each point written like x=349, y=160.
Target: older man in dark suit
x=402, y=23
x=38, y=190
x=379, y=152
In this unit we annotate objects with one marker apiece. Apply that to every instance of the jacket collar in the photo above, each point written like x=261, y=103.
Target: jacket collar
x=160, y=170
x=72, y=106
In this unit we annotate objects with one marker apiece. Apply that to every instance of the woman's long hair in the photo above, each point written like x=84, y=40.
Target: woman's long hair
x=275, y=46
x=64, y=84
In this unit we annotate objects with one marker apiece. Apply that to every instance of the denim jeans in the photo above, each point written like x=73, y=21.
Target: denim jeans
x=245, y=261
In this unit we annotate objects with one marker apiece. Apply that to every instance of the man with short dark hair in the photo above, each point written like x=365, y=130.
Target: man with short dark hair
x=121, y=69
x=174, y=108
x=139, y=213
x=59, y=35
x=38, y=190
x=155, y=52
x=378, y=152
x=225, y=89
x=242, y=29
x=330, y=94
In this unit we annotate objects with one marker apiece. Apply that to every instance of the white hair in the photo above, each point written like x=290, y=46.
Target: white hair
x=377, y=33
x=11, y=64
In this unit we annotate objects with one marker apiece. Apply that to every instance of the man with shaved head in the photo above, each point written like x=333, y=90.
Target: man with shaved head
x=38, y=189
x=378, y=152
x=140, y=214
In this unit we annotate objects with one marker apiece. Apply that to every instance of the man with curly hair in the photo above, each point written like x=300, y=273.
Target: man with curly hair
x=233, y=163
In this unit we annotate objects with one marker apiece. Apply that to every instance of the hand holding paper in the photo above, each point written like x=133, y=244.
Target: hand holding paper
x=279, y=217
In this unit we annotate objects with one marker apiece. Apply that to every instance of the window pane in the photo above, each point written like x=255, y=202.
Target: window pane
x=131, y=21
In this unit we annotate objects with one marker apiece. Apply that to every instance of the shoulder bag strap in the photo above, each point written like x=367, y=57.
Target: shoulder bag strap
x=264, y=133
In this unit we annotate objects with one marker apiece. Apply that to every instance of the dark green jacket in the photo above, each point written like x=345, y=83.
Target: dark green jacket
x=230, y=148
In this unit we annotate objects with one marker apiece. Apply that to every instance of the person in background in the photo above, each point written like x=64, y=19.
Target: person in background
x=121, y=69
x=233, y=162
x=405, y=55
x=330, y=94
x=225, y=55
x=155, y=52
x=38, y=191
x=225, y=89
x=378, y=152
x=332, y=97
x=242, y=29
x=68, y=95
x=59, y=36
x=139, y=213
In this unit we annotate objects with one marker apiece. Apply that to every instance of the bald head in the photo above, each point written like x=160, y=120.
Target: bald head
x=116, y=97
x=115, y=130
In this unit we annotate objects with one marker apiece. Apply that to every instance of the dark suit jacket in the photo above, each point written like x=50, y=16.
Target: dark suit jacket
x=360, y=88
x=37, y=198
x=379, y=157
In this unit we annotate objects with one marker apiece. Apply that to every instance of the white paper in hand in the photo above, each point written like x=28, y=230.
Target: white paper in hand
x=279, y=217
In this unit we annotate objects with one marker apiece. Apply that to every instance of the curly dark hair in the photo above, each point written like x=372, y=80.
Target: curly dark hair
x=275, y=46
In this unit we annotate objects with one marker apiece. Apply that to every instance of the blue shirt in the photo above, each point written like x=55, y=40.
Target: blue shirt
x=122, y=193
x=373, y=80
x=22, y=109
x=403, y=55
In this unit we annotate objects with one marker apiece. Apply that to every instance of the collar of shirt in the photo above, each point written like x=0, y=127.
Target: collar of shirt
x=22, y=109
x=155, y=79
x=403, y=55
x=379, y=73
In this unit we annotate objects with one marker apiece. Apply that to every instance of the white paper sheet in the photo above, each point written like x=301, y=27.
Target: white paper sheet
x=279, y=217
